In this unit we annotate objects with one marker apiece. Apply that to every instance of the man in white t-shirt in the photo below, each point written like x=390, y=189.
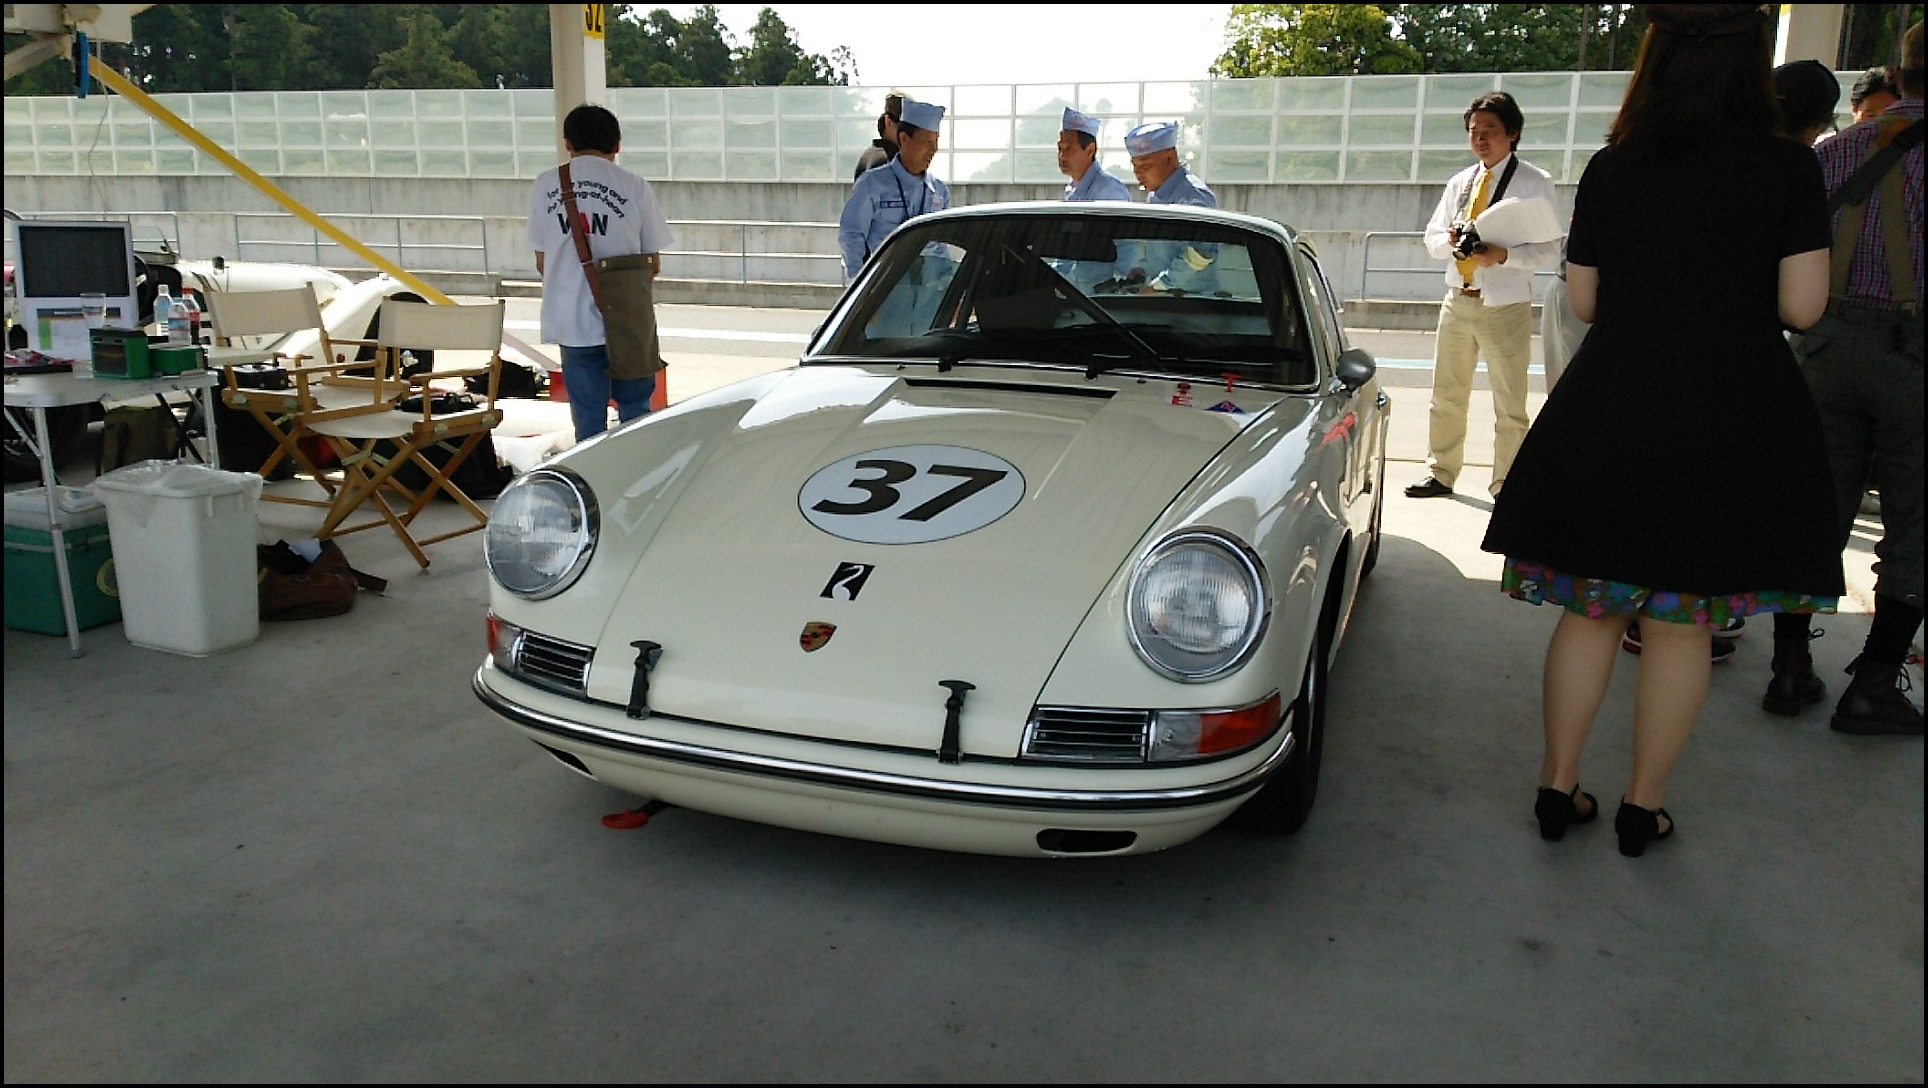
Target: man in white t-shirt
x=620, y=216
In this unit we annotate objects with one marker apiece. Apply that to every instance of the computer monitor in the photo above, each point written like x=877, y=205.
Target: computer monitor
x=55, y=264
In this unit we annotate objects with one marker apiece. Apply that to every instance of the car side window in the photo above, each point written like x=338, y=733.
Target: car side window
x=1321, y=308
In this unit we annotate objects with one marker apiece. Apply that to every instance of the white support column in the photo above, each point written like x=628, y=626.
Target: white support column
x=1809, y=32
x=577, y=58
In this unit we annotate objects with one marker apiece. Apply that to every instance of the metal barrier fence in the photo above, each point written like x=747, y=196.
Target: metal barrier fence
x=1434, y=271
x=407, y=231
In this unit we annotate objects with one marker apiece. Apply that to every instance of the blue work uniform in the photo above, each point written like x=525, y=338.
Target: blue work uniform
x=1180, y=265
x=882, y=200
x=1097, y=185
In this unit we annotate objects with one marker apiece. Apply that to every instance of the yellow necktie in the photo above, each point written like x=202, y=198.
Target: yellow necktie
x=1467, y=267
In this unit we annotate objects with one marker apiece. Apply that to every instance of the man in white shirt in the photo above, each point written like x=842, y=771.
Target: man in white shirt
x=1489, y=297
x=620, y=216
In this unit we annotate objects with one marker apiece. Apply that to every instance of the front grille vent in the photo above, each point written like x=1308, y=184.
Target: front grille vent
x=1081, y=734
x=553, y=663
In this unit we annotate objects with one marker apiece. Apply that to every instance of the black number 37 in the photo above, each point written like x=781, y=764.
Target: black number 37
x=883, y=493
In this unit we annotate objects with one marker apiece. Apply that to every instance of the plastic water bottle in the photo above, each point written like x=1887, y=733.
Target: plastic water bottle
x=163, y=306
x=188, y=306
x=179, y=325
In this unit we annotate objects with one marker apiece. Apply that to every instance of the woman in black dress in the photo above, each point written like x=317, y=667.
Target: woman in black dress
x=1699, y=235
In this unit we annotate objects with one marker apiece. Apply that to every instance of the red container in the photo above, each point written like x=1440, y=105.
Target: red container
x=658, y=400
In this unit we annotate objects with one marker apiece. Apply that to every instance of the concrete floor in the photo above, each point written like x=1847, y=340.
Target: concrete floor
x=318, y=858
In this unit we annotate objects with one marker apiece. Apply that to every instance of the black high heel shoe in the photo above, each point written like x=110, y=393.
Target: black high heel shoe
x=1638, y=826
x=1557, y=811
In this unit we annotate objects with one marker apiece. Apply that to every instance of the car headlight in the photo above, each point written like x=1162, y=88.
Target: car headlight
x=541, y=533
x=1197, y=606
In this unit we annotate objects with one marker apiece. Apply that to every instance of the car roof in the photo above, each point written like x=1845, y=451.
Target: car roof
x=1168, y=212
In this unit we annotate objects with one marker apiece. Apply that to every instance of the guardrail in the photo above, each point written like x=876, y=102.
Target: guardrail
x=743, y=253
x=1435, y=270
x=406, y=228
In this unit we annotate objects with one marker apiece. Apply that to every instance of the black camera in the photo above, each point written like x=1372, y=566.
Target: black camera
x=1469, y=242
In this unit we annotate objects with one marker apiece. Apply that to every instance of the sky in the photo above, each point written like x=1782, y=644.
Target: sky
x=1000, y=43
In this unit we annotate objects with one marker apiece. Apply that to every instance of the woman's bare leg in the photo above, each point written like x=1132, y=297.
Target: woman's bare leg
x=1674, y=666
x=1579, y=663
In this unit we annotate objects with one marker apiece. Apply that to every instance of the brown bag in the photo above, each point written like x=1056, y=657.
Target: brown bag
x=291, y=588
x=625, y=292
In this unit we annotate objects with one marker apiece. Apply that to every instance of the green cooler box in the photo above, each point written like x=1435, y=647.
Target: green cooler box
x=33, y=586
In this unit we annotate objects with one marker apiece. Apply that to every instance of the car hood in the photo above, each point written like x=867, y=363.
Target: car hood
x=730, y=573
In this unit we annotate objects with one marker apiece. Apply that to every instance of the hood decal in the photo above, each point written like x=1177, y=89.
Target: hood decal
x=910, y=494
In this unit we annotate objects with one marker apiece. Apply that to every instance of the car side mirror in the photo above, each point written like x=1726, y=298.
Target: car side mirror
x=1356, y=368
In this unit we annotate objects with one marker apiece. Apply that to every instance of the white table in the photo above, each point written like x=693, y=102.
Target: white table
x=39, y=392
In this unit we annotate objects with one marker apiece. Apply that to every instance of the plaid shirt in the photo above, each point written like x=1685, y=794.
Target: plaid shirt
x=1840, y=155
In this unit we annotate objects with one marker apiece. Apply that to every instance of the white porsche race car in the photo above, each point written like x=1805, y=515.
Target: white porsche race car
x=1044, y=548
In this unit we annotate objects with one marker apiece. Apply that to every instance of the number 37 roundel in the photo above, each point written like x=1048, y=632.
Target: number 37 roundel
x=910, y=494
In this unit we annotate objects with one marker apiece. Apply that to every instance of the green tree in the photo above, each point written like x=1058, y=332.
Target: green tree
x=424, y=59
x=1311, y=40
x=774, y=58
x=348, y=40
x=271, y=48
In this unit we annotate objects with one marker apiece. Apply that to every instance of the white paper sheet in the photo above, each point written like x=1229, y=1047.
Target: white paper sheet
x=1519, y=221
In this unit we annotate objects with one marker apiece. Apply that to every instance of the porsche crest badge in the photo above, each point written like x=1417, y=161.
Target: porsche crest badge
x=815, y=635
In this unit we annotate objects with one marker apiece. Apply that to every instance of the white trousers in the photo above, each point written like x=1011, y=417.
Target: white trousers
x=1468, y=328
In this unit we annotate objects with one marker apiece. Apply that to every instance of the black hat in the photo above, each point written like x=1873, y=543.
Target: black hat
x=1809, y=93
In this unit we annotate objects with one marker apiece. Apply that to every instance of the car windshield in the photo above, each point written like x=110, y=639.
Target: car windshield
x=1098, y=292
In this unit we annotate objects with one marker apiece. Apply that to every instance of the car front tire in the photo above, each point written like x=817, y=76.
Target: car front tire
x=1283, y=803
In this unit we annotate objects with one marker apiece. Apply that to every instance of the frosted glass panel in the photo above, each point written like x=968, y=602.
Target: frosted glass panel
x=1442, y=165
x=1539, y=90
x=804, y=101
x=1385, y=93
x=222, y=132
x=752, y=102
x=1310, y=131
x=1307, y=166
x=298, y=104
x=645, y=134
x=346, y=133
x=647, y=164
x=1455, y=91
x=439, y=105
x=133, y=134
x=54, y=135
x=760, y=135
x=1040, y=167
x=1544, y=130
x=396, y=132
x=695, y=134
x=821, y=134
x=980, y=167
x=1381, y=130
x=1312, y=93
x=444, y=164
x=1108, y=97
x=98, y=161
x=1041, y=130
x=492, y=164
x=491, y=134
x=303, y=161
x=1607, y=88
x=293, y=133
x=257, y=134
x=528, y=102
x=216, y=107
x=181, y=161
x=20, y=161
x=62, y=162
x=441, y=133
x=696, y=165
x=751, y=165
x=1244, y=94
x=529, y=164
x=1379, y=166
x=396, y=164
x=695, y=102
x=1442, y=129
x=345, y=163
x=977, y=135
x=630, y=103
x=812, y=166
x=1247, y=166
x=1238, y=131
x=536, y=132
x=856, y=132
x=134, y=162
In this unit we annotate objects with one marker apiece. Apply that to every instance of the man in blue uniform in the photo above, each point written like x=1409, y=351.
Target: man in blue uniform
x=884, y=199
x=1169, y=265
x=1078, y=160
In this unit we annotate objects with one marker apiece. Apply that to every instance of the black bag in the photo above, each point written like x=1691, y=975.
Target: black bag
x=517, y=382
x=245, y=444
x=481, y=475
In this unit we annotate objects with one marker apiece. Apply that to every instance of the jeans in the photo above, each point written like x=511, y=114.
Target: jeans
x=585, y=377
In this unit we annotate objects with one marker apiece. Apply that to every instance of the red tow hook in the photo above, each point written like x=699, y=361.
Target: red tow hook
x=630, y=819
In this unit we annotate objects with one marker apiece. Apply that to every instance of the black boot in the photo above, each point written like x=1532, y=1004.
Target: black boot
x=1794, y=685
x=1875, y=703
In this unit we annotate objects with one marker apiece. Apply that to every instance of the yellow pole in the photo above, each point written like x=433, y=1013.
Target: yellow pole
x=185, y=131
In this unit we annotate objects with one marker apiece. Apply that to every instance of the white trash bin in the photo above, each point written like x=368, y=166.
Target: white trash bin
x=184, y=538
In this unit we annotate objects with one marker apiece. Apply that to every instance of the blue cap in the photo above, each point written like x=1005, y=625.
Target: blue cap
x=1079, y=122
x=1151, y=136
x=921, y=114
